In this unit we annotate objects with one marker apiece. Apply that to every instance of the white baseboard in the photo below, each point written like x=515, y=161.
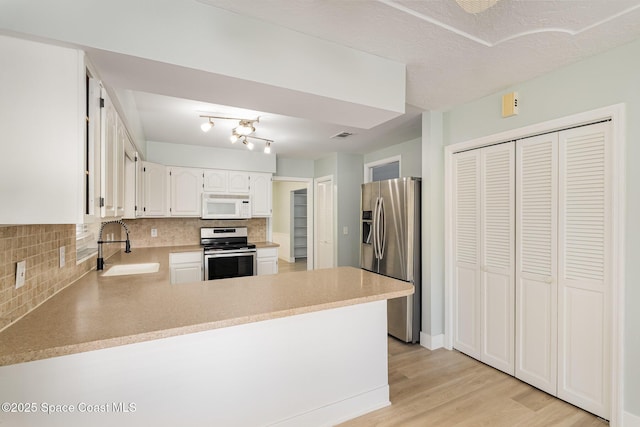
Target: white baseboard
x=630, y=420
x=431, y=342
x=341, y=411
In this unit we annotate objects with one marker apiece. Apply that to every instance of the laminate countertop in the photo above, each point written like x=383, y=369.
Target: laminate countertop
x=97, y=312
x=262, y=245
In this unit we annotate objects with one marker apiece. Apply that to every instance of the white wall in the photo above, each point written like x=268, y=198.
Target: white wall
x=294, y=168
x=349, y=179
x=602, y=80
x=209, y=157
x=432, y=229
x=410, y=153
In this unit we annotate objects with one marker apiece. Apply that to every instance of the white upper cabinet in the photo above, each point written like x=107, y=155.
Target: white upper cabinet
x=114, y=141
x=154, y=189
x=109, y=148
x=226, y=182
x=238, y=182
x=215, y=181
x=43, y=122
x=119, y=172
x=261, y=190
x=185, y=186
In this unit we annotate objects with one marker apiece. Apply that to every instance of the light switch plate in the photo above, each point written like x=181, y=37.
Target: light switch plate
x=154, y=232
x=62, y=260
x=345, y=230
x=21, y=272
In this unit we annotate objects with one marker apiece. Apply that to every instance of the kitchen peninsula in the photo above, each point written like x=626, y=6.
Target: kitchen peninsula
x=302, y=348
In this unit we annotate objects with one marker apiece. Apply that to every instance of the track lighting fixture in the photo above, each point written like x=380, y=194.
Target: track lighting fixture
x=239, y=133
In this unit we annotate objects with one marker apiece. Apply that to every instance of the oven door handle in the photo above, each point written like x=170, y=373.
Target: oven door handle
x=230, y=253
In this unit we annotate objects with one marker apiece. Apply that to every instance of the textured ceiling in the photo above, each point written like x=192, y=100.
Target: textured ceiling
x=453, y=57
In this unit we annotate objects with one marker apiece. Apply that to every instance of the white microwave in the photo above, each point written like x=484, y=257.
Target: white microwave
x=225, y=206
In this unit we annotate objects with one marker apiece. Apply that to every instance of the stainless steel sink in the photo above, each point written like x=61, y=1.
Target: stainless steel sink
x=125, y=269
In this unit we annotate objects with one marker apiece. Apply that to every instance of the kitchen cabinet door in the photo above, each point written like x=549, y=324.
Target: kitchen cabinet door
x=238, y=182
x=109, y=148
x=261, y=191
x=215, y=181
x=43, y=121
x=119, y=173
x=154, y=194
x=185, y=267
x=267, y=261
x=185, y=192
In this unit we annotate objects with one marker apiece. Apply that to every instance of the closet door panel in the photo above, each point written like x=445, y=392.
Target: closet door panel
x=584, y=268
x=536, y=261
x=466, y=240
x=497, y=255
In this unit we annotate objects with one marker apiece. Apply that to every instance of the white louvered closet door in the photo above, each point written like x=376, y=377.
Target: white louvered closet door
x=466, y=241
x=584, y=264
x=497, y=256
x=536, y=261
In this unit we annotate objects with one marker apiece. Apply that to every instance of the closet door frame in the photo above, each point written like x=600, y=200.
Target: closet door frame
x=615, y=113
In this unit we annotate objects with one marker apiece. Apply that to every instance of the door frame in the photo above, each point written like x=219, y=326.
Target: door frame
x=310, y=215
x=617, y=114
x=316, y=181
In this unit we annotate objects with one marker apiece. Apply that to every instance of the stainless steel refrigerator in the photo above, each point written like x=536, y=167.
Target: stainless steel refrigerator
x=390, y=245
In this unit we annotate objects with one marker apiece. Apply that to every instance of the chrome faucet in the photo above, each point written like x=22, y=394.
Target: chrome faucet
x=127, y=246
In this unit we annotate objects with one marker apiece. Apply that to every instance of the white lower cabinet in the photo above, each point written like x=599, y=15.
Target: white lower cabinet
x=185, y=267
x=267, y=260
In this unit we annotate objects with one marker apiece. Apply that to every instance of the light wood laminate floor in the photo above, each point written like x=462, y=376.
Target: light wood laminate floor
x=285, y=267
x=448, y=388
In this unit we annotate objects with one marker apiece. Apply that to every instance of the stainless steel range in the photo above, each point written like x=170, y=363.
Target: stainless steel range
x=227, y=253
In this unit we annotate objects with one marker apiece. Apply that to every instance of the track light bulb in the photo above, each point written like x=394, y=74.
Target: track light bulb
x=234, y=138
x=250, y=145
x=206, y=127
x=267, y=148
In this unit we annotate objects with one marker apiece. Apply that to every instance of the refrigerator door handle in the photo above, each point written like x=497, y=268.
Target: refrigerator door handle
x=374, y=228
x=383, y=228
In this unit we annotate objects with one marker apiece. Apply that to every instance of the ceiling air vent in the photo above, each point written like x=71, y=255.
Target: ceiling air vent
x=342, y=135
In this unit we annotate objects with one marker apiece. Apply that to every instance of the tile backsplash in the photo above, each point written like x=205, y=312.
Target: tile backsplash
x=186, y=231
x=39, y=246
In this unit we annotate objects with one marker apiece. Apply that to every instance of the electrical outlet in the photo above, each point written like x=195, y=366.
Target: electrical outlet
x=154, y=232
x=62, y=260
x=21, y=272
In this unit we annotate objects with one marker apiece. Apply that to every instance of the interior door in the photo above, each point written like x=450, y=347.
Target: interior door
x=584, y=265
x=324, y=221
x=497, y=255
x=536, y=261
x=466, y=250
